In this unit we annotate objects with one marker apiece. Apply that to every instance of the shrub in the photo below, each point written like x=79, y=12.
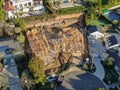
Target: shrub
x=70, y=10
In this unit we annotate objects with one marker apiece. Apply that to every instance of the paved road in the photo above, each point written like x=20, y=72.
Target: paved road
x=11, y=44
x=12, y=74
x=77, y=81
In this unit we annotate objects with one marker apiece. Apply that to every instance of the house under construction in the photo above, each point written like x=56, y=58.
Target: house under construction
x=56, y=46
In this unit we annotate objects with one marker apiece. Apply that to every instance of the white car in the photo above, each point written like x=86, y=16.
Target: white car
x=5, y=63
x=12, y=62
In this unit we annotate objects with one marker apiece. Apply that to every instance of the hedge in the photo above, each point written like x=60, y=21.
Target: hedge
x=61, y=11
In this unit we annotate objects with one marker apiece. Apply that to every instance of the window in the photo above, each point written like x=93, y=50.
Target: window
x=25, y=5
x=29, y=4
x=21, y=6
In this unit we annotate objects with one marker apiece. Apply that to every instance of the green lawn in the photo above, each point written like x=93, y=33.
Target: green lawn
x=110, y=74
x=99, y=22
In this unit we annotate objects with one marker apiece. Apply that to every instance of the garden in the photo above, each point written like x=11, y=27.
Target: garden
x=111, y=76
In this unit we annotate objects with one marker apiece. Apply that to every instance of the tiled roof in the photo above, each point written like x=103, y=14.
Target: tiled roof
x=8, y=6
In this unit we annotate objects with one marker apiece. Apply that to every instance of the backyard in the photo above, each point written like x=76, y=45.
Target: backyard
x=111, y=75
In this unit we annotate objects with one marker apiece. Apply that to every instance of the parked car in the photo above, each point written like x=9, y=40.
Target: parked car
x=12, y=62
x=52, y=78
x=60, y=80
x=5, y=63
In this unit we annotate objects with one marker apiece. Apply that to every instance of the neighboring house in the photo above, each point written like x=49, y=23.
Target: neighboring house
x=111, y=42
x=16, y=8
x=38, y=5
x=94, y=32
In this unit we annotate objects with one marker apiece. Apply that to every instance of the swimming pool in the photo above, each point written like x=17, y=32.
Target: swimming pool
x=113, y=16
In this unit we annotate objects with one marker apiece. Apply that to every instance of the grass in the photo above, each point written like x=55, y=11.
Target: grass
x=110, y=74
x=70, y=10
x=99, y=22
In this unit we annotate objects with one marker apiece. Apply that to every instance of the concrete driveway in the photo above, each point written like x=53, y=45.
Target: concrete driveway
x=98, y=48
x=100, y=72
x=77, y=81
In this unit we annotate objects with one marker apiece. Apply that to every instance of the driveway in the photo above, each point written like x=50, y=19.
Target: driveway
x=98, y=48
x=100, y=72
x=77, y=81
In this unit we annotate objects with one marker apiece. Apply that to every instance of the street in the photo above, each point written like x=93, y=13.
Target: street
x=80, y=81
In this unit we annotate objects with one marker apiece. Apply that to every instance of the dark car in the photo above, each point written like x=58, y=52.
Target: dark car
x=52, y=78
x=60, y=80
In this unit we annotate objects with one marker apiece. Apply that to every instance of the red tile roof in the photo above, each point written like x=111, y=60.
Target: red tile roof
x=8, y=6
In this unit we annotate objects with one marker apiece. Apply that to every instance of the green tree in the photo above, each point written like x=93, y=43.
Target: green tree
x=26, y=77
x=99, y=89
x=85, y=66
x=2, y=13
x=110, y=61
x=49, y=6
x=36, y=67
x=93, y=10
x=19, y=23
